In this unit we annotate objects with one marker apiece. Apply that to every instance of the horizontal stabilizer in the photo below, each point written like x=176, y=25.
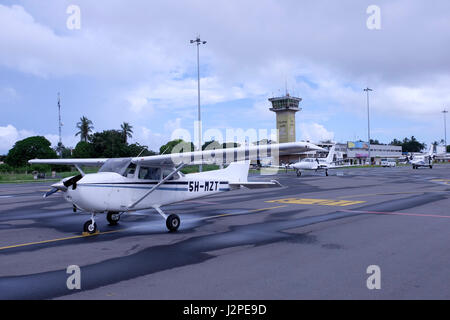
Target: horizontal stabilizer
x=255, y=185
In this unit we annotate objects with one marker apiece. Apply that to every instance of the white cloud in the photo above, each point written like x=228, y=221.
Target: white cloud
x=9, y=135
x=147, y=137
x=172, y=125
x=314, y=132
x=324, y=51
x=180, y=93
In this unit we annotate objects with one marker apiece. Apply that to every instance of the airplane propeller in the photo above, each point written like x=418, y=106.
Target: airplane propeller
x=72, y=181
x=52, y=191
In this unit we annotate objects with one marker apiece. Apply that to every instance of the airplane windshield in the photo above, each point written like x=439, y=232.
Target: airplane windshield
x=115, y=165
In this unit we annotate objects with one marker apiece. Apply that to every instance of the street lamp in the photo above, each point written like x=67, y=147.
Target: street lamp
x=368, y=121
x=445, y=128
x=198, y=41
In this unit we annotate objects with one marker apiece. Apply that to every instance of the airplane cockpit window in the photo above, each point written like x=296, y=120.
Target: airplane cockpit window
x=150, y=173
x=129, y=172
x=115, y=165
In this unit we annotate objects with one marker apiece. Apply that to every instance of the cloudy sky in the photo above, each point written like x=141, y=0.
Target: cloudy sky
x=132, y=61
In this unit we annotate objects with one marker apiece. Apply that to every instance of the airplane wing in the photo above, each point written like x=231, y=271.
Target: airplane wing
x=197, y=157
x=229, y=155
x=255, y=185
x=95, y=162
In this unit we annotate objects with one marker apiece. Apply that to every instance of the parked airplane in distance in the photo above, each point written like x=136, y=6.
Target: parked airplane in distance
x=317, y=164
x=425, y=160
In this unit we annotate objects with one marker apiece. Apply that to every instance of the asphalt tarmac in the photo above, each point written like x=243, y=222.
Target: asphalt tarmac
x=313, y=238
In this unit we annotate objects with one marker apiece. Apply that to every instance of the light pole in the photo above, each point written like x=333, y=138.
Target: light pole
x=445, y=128
x=198, y=42
x=368, y=121
x=59, y=127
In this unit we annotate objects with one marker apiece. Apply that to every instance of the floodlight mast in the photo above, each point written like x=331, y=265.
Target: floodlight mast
x=368, y=122
x=445, y=128
x=198, y=42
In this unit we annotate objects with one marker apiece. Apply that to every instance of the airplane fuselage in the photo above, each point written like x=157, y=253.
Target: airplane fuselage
x=109, y=191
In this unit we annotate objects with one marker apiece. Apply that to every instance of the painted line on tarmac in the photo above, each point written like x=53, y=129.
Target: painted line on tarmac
x=389, y=193
x=320, y=202
x=398, y=213
x=59, y=239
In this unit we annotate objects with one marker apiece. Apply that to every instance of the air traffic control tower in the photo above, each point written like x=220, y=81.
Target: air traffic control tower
x=285, y=108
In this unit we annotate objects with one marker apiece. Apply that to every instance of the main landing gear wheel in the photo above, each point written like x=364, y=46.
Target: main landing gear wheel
x=90, y=227
x=299, y=173
x=173, y=222
x=326, y=173
x=113, y=218
x=431, y=167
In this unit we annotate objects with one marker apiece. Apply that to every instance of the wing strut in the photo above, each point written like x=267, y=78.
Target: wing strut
x=181, y=166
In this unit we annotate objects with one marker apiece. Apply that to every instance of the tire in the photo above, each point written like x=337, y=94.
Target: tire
x=431, y=167
x=326, y=173
x=113, y=218
x=173, y=222
x=88, y=227
x=299, y=173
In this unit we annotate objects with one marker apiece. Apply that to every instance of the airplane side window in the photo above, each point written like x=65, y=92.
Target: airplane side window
x=150, y=173
x=166, y=172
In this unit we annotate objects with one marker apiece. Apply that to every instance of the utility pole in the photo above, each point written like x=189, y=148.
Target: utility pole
x=445, y=128
x=199, y=42
x=59, y=125
x=368, y=121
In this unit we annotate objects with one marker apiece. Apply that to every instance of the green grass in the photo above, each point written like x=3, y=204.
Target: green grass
x=28, y=177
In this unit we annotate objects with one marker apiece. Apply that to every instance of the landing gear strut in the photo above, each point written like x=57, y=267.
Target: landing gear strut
x=90, y=226
x=172, y=221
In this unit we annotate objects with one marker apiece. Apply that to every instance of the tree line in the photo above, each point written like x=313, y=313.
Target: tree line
x=105, y=144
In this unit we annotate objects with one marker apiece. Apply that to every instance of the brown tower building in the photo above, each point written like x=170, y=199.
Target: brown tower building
x=285, y=108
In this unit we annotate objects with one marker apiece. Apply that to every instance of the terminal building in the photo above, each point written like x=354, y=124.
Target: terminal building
x=357, y=152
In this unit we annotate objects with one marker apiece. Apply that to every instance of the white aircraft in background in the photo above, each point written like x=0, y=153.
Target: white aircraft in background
x=130, y=184
x=424, y=160
x=318, y=163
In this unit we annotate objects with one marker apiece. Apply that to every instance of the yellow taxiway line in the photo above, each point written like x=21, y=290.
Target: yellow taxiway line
x=59, y=239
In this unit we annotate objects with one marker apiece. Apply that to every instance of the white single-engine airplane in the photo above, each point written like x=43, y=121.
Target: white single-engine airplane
x=130, y=184
x=424, y=160
x=318, y=164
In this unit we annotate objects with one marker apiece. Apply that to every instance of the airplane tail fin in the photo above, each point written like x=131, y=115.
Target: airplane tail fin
x=331, y=154
x=431, y=151
x=237, y=171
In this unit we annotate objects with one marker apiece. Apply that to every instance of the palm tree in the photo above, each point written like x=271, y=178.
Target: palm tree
x=126, y=131
x=85, y=128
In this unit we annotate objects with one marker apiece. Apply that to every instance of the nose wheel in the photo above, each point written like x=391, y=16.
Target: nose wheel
x=90, y=227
